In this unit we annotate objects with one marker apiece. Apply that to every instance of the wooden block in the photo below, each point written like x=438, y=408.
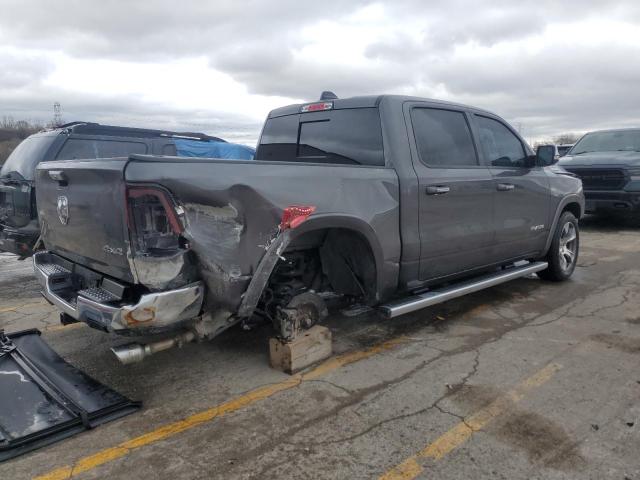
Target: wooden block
x=310, y=347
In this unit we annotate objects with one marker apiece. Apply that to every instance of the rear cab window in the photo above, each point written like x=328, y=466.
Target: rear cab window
x=342, y=136
x=85, y=148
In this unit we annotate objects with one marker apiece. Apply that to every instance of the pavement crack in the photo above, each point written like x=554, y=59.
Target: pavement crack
x=335, y=385
x=459, y=417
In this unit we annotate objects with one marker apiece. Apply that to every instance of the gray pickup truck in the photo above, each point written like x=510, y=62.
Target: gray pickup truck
x=385, y=201
x=608, y=163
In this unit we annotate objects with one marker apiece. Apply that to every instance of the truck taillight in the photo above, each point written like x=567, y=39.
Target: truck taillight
x=294, y=215
x=153, y=220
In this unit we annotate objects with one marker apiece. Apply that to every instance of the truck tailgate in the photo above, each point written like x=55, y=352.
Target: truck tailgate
x=82, y=210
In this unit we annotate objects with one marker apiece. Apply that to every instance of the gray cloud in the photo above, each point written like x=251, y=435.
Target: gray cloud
x=400, y=48
x=574, y=88
x=158, y=29
x=307, y=78
x=22, y=71
x=127, y=110
x=448, y=23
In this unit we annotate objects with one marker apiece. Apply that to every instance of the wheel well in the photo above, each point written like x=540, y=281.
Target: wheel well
x=345, y=257
x=574, y=208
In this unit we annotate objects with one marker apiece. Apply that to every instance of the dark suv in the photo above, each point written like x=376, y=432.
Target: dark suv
x=608, y=162
x=19, y=228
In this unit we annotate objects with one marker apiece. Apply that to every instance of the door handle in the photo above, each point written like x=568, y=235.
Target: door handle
x=437, y=190
x=505, y=187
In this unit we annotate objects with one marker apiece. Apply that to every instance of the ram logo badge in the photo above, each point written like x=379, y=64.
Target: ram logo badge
x=63, y=209
x=535, y=228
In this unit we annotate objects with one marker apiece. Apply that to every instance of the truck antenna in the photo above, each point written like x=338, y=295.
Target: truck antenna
x=328, y=95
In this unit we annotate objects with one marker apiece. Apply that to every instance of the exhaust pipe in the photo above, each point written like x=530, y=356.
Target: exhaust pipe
x=136, y=352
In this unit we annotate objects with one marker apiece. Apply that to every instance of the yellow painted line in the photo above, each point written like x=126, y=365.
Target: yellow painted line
x=18, y=307
x=462, y=431
x=100, y=458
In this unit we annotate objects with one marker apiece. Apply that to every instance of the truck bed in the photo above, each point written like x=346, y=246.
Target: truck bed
x=230, y=211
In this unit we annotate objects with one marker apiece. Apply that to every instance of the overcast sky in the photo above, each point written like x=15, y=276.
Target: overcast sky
x=219, y=66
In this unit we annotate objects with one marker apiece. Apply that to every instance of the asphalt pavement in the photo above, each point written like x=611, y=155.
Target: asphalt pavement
x=527, y=380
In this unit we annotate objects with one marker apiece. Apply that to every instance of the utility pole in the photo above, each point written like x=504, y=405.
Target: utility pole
x=57, y=114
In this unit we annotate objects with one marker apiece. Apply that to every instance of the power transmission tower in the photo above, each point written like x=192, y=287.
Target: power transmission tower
x=57, y=114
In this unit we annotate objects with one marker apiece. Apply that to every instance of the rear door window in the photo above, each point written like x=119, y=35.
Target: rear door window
x=500, y=146
x=443, y=138
x=345, y=136
x=81, y=148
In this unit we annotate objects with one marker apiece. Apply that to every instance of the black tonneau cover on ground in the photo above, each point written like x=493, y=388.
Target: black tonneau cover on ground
x=43, y=399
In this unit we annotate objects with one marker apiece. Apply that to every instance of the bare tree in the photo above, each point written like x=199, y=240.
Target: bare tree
x=565, y=138
x=12, y=132
x=7, y=122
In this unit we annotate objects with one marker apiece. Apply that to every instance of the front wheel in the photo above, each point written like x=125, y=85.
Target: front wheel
x=563, y=252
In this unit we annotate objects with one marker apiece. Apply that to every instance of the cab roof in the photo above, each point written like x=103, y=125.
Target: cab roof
x=368, y=101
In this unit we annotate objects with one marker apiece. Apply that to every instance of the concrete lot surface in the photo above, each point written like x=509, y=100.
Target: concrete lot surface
x=526, y=380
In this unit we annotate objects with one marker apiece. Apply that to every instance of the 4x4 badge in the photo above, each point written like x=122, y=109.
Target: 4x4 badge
x=63, y=209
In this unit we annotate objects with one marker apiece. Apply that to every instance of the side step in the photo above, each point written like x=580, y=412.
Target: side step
x=433, y=297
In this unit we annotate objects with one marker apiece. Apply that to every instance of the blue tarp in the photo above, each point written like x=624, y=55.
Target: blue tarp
x=197, y=148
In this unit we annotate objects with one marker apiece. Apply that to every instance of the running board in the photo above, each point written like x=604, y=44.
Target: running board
x=433, y=297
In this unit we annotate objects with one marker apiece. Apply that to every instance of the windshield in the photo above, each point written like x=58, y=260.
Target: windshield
x=26, y=156
x=620, y=140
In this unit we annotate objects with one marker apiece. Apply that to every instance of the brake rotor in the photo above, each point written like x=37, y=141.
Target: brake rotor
x=301, y=313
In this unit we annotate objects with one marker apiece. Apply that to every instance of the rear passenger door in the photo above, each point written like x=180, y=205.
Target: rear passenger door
x=521, y=206
x=456, y=192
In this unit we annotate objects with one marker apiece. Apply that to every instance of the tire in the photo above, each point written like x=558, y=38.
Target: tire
x=563, y=252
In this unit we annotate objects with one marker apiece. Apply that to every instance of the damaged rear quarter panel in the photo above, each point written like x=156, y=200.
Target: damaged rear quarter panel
x=163, y=272
x=233, y=208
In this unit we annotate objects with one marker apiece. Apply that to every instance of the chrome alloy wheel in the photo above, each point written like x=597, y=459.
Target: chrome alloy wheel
x=568, y=246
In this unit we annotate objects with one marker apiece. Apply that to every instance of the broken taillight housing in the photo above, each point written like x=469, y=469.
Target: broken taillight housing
x=294, y=215
x=153, y=220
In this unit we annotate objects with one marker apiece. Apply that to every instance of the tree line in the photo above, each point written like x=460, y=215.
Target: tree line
x=561, y=139
x=12, y=132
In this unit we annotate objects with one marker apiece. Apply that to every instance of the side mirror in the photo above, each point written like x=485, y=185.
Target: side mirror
x=546, y=155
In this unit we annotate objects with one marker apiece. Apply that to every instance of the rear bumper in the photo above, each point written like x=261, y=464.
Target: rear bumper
x=16, y=242
x=150, y=313
x=613, y=200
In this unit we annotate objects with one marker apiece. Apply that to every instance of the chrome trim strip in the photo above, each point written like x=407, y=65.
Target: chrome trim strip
x=434, y=297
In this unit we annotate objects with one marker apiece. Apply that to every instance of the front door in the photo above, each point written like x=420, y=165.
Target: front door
x=456, y=193
x=521, y=206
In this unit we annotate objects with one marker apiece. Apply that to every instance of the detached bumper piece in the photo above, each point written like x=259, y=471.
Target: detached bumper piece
x=43, y=399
